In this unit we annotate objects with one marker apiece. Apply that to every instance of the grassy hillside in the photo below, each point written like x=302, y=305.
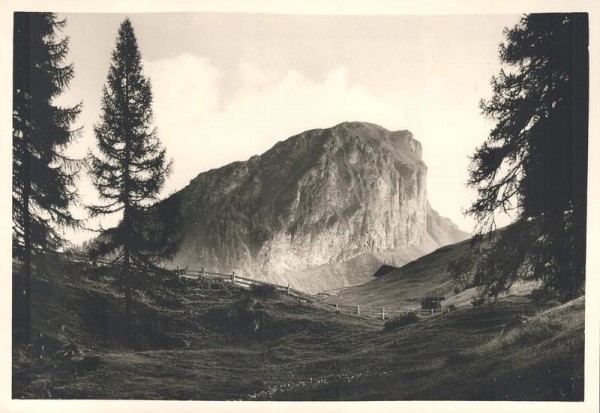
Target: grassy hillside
x=219, y=342
x=406, y=286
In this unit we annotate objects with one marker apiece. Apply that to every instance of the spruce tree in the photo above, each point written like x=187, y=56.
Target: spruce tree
x=534, y=163
x=130, y=168
x=43, y=176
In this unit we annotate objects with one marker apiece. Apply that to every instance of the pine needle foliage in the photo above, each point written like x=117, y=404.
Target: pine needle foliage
x=130, y=167
x=533, y=165
x=44, y=177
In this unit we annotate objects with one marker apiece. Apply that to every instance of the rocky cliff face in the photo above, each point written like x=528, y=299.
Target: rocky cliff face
x=322, y=197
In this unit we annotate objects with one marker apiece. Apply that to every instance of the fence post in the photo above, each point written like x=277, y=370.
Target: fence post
x=383, y=313
x=288, y=289
x=202, y=273
x=337, y=308
x=431, y=314
x=358, y=309
x=233, y=277
x=178, y=273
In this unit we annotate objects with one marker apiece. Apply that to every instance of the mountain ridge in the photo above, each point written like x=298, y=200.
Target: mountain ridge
x=318, y=198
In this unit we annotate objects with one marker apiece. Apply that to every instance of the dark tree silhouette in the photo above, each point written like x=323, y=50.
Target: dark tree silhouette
x=131, y=167
x=534, y=163
x=43, y=176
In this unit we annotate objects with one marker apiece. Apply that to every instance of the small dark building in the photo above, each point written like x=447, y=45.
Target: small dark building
x=384, y=269
x=432, y=303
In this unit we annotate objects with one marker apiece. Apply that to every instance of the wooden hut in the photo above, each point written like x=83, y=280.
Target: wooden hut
x=431, y=305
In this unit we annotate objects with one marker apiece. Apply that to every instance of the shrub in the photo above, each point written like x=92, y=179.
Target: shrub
x=478, y=301
x=400, y=321
x=174, y=282
x=544, y=295
x=535, y=332
x=263, y=291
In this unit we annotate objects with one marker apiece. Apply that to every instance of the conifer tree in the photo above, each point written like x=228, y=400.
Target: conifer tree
x=131, y=167
x=43, y=176
x=534, y=163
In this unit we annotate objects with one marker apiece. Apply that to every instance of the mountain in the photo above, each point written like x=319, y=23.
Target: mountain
x=304, y=210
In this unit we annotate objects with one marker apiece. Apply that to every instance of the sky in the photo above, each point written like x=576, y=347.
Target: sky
x=229, y=86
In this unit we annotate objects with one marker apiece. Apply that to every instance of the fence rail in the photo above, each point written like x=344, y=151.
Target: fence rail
x=381, y=313
x=195, y=274
x=238, y=280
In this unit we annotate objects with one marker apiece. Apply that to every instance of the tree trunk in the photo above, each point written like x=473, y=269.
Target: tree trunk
x=127, y=285
x=25, y=310
x=127, y=214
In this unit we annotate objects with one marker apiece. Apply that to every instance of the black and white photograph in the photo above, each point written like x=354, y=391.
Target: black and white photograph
x=329, y=206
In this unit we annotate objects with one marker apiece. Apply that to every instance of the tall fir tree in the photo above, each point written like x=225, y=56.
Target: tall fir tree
x=43, y=176
x=534, y=162
x=131, y=167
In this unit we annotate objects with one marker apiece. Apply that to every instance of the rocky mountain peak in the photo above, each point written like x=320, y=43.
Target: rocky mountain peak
x=321, y=197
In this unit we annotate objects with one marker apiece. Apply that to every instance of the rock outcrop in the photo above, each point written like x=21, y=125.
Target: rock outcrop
x=319, y=198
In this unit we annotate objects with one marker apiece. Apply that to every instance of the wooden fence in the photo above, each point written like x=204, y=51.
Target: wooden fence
x=381, y=313
x=239, y=280
x=202, y=274
x=430, y=311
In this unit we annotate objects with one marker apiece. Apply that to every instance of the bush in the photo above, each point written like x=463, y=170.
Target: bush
x=264, y=291
x=546, y=296
x=533, y=333
x=478, y=301
x=400, y=321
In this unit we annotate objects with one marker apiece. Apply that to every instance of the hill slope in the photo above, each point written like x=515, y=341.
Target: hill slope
x=325, y=196
x=407, y=285
x=221, y=342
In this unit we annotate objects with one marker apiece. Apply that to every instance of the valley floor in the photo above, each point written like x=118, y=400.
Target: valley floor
x=219, y=342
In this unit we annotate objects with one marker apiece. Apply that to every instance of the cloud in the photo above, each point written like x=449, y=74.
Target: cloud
x=202, y=131
x=203, y=127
